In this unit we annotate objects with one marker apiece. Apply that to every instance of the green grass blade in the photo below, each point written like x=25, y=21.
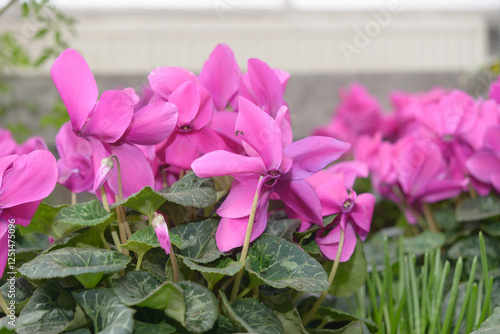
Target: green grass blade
x=453, y=298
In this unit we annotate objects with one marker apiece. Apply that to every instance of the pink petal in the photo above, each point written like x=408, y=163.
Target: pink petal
x=22, y=213
x=161, y=230
x=187, y=100
x=7, y=144
x=492, y=138
x=205, y=112
x=329, y=244
x=67, y=142
x=231, y=231
x=180, y=152
x=261, y=132
x=483, y=165
x=4, y=244
x=206, y=140
x=239, y=201
x=220, y=163
x=220, y=76
x=495, y=181
x=362, y=213
x=301, y=198
x=495, y=91
x=76, y=172
x=164, y=80
x=6, y=163
x=111, y=117
x=312, y=154
x=76, y=85
x=32, y=144
x=32, y=177
x=282, y=77
x=152, y=124
x=440, y=190
x=351, y=170
x=266, y=86
x=332, y=195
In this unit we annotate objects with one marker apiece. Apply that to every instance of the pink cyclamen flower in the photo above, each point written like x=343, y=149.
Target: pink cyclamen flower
x=107, y=165
x=485, y=165
x=161, y=230
x=24, y=181
x=283, y=170
x=354, y=217
x=494, y=93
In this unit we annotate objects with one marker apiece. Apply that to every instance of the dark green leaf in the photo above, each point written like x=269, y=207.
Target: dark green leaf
x=198, y=240
x=427, y=240
x=213, y=274
x=251, y=316
x=291, y=322
x=44, y=222
x=478, y=208
x=105, y=310
x=86, y=214
x=492, y=229
x=202, y=308
x=283, y=228
x=20, y=292
x=491, y=325
x=134, y=287
x=331, y=314
x=193, y=191
x=469, y=247
x=351, y=275
x=145, y=328
x=154, y=262
x=309, y=245
x=88, y=265
x=225, y=326
x=146, y=201
x=282, y=264
x=58, y=305
x=145, y=239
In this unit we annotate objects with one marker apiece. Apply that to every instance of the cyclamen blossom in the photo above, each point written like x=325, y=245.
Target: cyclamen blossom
x=161, y=230
x=485, y=165
x=24, y=181
x=270, y=169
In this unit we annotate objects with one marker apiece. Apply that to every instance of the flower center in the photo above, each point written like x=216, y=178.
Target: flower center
x=273, y=176
x=185, y=128
x=447, y=138
x=347, y=205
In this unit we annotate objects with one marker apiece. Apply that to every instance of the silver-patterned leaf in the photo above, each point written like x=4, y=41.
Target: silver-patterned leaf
x=202, y=308
x=198, y=240
x=86, y=214
x=193, y=191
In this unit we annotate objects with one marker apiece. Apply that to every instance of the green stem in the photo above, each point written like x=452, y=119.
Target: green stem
x=3, y=305
x=120, y=213
x=429, y=217
x=139, y=260
x=244, y=292
x=246, y=243
x=101, y=234
x=316, y=305
x=175, y=266
x=114, y=235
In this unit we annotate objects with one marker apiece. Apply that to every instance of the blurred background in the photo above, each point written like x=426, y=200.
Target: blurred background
x=385, y=45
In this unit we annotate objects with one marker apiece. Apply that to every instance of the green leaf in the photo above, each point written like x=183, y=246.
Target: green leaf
x=146, y=201
x=478, y=208
x=65, y=240
x=225, y=326
x=491, y=325
x=355, y=327
x=44, y=222
x=105, y=310
x=198, y=240
x=58, y=304
x=202, y=308
x=291, y=322
x=193, y=191
x=161, y=328
x=427, y=240
x=213, y=274
x=492, y=228
x=134, y=287
x=251, y=316
x=282, y=264
x=20, y=292
x=154, y=262
x=308, y=244
x=6, y=324
x=86, y=214
x=145, y=239
x=40, y=33
x=351, y=275
x=283, y=228
x=331, y=314
x=87, y=265
x=469, y=247
x=25, y=10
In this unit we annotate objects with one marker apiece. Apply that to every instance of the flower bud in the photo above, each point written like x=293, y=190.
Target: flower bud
x=103, y=173
x=161, y=230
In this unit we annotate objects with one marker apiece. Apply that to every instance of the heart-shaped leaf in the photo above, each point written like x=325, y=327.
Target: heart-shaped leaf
x=58, y=304
x=86, y=214
x=478, y=208
x=283, y=228
x=145, y=239
x=134, y=287
x=193, y=191
x=202, y=308
x=19, y=291
x=427, y=240
x=88, y=265
x=251, y=316
x=214, y=273
x=198, y=240
x=105, y=310
x=154, y=262
x=491, y=325
x=161, y=328
x=145, y=201
x=282, y=264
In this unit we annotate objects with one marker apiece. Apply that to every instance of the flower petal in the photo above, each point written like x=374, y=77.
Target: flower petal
x=300, y=197
x=76, y=85
x=179, y=151
x=332, y=194
x=220, y=163
x=164, y=80
x=22, y=213
x=152, y=124
x=67, y=142
x=329, y=244
x=261, y=132
x=205, y=112
x=266, y=86
x=483, y=165
x=238, y=202
x=312, y=154
x=492, y=138
x=220, y=76
x=206, y=140
x=362, y=214
x=111, y=117
x=187, y=100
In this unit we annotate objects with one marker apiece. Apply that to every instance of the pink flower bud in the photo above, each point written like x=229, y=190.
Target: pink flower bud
x=161, y=230
x=103, y=173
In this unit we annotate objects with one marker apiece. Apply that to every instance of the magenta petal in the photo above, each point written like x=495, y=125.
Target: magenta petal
x=67, y=142
x=22, y=213
x=32, y=177
x=312, y=154
x=483, y=165
x=231, y=231
x=266, y=86
x=76, y=85
x=301, y=198
x=351, y=170
x=261, y=132
x=495, y=181
x=180, y=152
x=6, y=163
x=239, y=201
x=220, y=76
x=440, y=190
x=152, y=124
x=220, y=163
x=111, y=117
x=164, y=80
x=205, y=112
x=332, y=195
x=492, y=138
x=495, y=91
x=135, y=168
x=282, y=77
x=4, y=244
x=207, y=140
x=32, y=144
x=362, y=212
x=330, y=243
x=8, y=144
x=187, y=100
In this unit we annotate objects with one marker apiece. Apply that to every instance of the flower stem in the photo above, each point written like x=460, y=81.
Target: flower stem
x=105, y=204
x=175, y=266
x=335, y=266
x=73, y=198
x=120, y=213
x=246, y=243
x=101, y=234
x=3, y=305
x=139, y=260
x=429, y=217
